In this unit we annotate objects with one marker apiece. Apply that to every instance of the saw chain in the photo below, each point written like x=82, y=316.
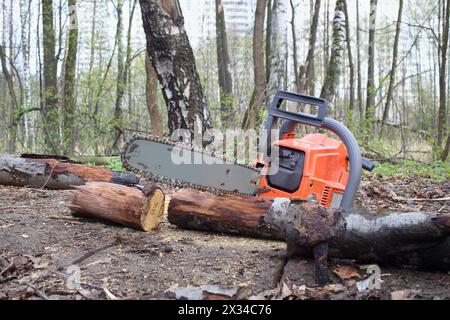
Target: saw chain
x=176, y=183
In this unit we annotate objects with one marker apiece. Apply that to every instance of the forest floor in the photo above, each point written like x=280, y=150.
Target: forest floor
x=40, y=240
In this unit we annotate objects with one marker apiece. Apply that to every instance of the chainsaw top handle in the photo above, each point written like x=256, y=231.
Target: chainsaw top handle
x=321, y=121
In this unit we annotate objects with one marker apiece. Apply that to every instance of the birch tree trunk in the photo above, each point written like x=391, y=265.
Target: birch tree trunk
x=25, y=70
x=370, y=99
x=174, y=63
x=334, y=65
x=223, y=65
x=251, y=115
x=69, y=81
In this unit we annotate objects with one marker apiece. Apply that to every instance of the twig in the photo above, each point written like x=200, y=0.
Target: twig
x=49, y=176
x=9, y=267
x=90, y=253
x=109, y=294
x=7, y=226
x=423, y=200
x=36, y=290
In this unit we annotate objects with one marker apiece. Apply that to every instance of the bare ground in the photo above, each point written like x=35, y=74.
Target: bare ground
x=39, y=240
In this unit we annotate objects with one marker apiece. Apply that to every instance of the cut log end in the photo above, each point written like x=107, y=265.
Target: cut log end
x=119, y=204
x=153, y=210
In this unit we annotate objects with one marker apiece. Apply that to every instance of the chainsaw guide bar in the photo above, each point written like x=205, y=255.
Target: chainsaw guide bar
x=150, y=156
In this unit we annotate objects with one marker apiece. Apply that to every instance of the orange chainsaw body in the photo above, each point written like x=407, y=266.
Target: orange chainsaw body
x=313, y=168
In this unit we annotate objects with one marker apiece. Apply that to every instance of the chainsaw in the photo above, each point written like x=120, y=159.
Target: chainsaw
x=313, y=168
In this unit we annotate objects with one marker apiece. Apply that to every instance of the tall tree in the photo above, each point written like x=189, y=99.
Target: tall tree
x=443, y=46
x=69, y=100
x=351, y=105
x=25, y=69
x=358, y=63
x=14, y=105
x=50, y=112
x=334, y=65
x=370, y=99
x=309, y=83
x=294, y=47
x=151, y=87
x=269, y=38
x=223, y=65
x=120, y=84
x=174, y=63
x=392, y=74
x=251, y=115
x=88, y=96
x=278, y=40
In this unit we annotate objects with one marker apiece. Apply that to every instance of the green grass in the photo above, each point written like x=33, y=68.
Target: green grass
x=115, y=164
x=436, y=170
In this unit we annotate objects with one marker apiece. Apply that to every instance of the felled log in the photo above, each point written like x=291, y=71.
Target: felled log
x=88, y=160
x=412, y=238
x=55, y=174
x=119, y=204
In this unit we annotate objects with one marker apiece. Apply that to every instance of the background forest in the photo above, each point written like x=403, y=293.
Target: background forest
x=76, y=77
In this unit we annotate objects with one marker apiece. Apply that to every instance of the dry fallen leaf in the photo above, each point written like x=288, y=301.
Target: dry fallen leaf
x=347, y=272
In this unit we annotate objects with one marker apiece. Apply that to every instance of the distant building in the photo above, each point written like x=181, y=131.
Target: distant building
x=200, y=18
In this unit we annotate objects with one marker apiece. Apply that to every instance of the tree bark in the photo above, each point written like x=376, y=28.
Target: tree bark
x=174, y=63
x=50, y=112
x=119, y=204
x=55, y=174
x=223, y=65
x=392, y=75
x=251, y=115
x=152, y=98
x=412, y=238
x=334, y=65
x=69, y=81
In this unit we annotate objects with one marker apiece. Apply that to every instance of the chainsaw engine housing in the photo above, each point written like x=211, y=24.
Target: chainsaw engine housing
x=313, y=168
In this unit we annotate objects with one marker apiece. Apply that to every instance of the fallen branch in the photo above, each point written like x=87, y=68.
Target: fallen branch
x=55, y=174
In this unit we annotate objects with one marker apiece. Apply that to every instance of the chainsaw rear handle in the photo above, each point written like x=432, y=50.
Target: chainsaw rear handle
x=321, y=121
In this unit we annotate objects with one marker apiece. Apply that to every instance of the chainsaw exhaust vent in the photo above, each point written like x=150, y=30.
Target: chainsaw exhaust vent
x=325, y=196
x=331, y=197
